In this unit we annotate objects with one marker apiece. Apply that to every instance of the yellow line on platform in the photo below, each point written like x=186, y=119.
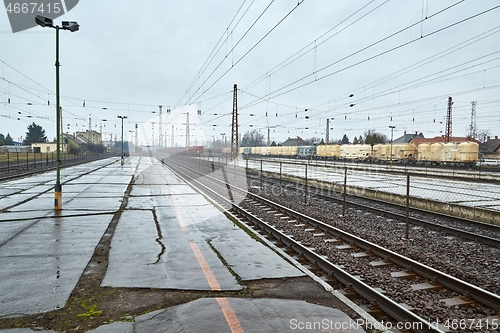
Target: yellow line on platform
x=227, y=310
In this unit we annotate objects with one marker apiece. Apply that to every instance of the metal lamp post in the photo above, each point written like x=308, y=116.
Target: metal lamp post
x=392, y=132
x=131, y=140
x=71, y=26
x=223, y=140
x=122, y=117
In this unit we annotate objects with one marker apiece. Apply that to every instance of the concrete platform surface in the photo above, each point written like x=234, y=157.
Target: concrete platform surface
x=235, y=315
x=172, y=237
x=42, y=252
x=239, y=315
x=168, y=236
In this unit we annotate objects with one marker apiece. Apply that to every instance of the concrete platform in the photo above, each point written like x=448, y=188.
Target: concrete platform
x=43, y=253
x=171, y=237
x=168, y=236
x=233, y=315
x=239, y=315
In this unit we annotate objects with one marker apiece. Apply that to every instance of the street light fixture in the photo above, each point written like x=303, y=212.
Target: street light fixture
x=71, y=26
x=223, y=139
x=392, y=131
x=122, y=117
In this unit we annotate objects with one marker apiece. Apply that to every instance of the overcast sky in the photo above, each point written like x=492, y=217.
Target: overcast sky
x=286, y=56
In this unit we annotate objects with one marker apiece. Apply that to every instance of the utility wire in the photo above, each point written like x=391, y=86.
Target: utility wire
x=276, y=94
x=213, y=53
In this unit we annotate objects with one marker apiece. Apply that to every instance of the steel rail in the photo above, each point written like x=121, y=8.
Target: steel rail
x=450, y=230
x=415, y=221
x=387, y=305
x=482, y=296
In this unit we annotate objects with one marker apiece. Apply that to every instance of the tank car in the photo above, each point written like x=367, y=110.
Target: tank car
x=306, y=151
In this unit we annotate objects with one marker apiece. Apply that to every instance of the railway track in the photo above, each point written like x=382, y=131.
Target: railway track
x=484, y=233
x=377, y=274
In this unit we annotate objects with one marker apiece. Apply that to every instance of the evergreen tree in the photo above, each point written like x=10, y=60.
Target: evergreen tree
x=373, y=138
x=8, y=140
x=35, y=134
x=2, y=139
x=345, y=139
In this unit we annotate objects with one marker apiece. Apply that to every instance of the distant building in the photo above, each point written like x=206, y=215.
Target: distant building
x=408, y=137
x=77, y=140
x=490, y=148
x=457, y=139
x=92, y=136
x=48, y=147
x=294, y=142
x=15, y=149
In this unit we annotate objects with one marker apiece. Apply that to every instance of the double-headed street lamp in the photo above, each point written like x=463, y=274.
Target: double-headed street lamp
x=392, y=131
x=71, y=26
x=122, y=117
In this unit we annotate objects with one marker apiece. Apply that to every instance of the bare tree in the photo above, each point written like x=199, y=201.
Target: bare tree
x=483, y=135
x=252, y=139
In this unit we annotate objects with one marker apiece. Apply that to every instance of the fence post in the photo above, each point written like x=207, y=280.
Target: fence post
x=234, y=170
x=27, y=161
x=345, y=190
x=8, y=162
x=305, y=187
x=17, y=158
x=281, y=191
x=34, y=160
x=407, y=204
x=261, y=174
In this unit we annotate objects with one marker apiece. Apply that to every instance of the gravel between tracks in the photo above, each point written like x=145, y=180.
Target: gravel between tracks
x=469, y=261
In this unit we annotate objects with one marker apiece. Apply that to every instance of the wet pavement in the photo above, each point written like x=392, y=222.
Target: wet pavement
x=168, y=236
x=43, y=253
x=247, y=315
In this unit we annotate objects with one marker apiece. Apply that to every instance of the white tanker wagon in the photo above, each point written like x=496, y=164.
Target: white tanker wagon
x=463, y=154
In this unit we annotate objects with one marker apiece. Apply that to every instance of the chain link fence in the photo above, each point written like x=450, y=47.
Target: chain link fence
x=457, y=192
x=25, y=162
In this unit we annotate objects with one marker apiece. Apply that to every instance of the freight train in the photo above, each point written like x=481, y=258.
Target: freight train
x=463, y=154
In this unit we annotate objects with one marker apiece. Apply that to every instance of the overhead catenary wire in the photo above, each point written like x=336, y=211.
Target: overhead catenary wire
x=246, y=53
x=304, y=50
x=213, y=53
x=190, y=101
x=218, y=100
x=414, y=66
x=279, y=92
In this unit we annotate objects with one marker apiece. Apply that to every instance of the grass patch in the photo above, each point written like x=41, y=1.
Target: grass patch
x=92, y=311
